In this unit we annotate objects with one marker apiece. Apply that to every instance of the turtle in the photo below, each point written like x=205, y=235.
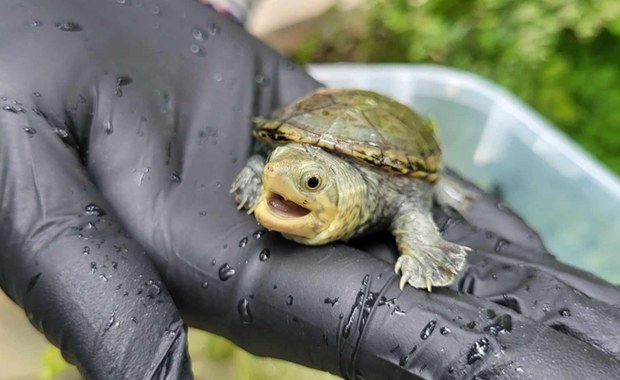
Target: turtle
x=340, y=163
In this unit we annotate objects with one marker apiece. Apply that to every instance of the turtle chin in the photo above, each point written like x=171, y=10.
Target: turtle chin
x=277, y=213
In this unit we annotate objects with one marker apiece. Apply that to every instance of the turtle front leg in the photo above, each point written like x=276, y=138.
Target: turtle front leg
x=426, y=259
x=246, y=187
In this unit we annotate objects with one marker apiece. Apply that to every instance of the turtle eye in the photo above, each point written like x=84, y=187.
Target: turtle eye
x=312, y=181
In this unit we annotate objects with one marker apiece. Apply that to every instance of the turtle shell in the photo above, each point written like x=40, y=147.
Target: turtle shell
x=360, y=124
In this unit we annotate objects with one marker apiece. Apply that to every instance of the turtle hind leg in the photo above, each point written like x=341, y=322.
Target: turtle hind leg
x=426, y=259
x=246, y=187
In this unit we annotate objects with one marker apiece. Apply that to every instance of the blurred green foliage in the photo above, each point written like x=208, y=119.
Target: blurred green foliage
x=560, y=56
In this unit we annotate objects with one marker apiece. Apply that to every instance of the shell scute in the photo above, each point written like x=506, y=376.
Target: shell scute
x=360, y=124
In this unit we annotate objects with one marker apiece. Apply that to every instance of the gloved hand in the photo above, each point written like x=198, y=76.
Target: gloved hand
x=122, y=124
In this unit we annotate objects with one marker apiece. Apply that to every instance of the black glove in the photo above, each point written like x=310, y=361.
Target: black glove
x=122, y=124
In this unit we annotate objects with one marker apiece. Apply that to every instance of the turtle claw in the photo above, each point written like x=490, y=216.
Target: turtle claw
x=431, y=266
x=246, y=187
x=403, y=281
x=397, y=267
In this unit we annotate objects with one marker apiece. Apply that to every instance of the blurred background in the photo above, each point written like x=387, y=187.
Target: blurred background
x=559, y=56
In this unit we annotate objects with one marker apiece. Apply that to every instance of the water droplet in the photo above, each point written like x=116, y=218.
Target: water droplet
x=62, y=133
x=123, y=2
x=153, y=289
x=264, y=254
x=289, y=300
x=108, y=127
x=205, y=285
x=213, y=262
x=69, y=26
x=214, y=29
x=90, y=226
x=259, y=233
x=262, y=80
x=331, y=301
x=93, y=267
x=500, y=245
x=478, y=351
x=427, y=331
x=226, y=272
x=198, y=34
x=243, y=307
x=195, y=49
x=13, y=109
x=36, y=94
x=218, y=77
x=121, y=81
x=203, y=213
x=86, y=251
x=40, y=113
x=546, y=307
x=503, y=324
x=31, y=131
x=36, y=23
x=444, y=330
x=175, y=177
x=243, y=242
x=144, y=171
x=94, y=210
x=155, y=10
x=111, y=322
x=405, y=358
x=565, y=312
x=501, y=206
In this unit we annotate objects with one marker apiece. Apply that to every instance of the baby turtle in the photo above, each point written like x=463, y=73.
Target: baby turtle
x=341, y=163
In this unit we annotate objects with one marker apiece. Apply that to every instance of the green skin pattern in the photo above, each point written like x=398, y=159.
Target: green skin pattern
x=366, y=197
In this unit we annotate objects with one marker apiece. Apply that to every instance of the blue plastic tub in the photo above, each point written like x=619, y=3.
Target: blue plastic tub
x=495, y=140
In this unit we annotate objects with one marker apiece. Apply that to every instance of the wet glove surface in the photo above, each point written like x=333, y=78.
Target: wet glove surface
x=122, y=125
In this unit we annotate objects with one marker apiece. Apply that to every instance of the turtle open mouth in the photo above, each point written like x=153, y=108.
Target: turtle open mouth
x=284, y=207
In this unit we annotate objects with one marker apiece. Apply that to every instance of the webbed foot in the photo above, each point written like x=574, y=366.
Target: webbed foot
x=425, y=266
x=246, y=187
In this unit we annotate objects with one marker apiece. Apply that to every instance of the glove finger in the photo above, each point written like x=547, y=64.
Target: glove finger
x=345, y=313
x=486, y=215
x=65, y=259
x=566, y=299
x=511, y=269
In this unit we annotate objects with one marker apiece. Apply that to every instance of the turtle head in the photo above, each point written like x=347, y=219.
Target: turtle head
x=308, y=194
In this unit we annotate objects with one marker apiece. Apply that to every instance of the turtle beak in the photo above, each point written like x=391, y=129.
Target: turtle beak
x=277, y=213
